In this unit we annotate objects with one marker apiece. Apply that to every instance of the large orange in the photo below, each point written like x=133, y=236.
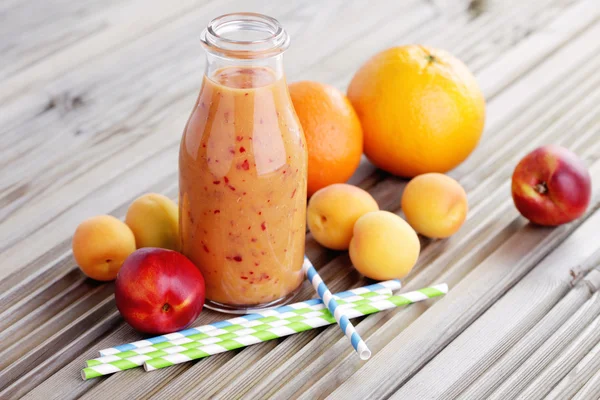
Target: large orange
x=333, y=133
x=421, y=110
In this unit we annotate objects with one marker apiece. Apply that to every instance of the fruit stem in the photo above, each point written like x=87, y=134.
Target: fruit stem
x=541, y=188
x=430, y=58
x=166, y=307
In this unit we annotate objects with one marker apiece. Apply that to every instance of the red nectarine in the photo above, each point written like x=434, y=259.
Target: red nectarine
x=551, y=186
x=159, y=291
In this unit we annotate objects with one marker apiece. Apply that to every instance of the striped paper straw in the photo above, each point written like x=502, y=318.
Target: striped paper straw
x=300, y=326
x=110, y=364
x=234, y=331
x=391, y=285
x=359, y=345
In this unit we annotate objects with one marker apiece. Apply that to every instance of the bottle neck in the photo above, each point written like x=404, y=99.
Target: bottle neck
x=216, y=64
x=244, y=41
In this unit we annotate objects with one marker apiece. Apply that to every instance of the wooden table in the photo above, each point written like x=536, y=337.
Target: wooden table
x=94, y=96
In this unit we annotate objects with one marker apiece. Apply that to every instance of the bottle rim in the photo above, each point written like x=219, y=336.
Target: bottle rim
x=275, y=39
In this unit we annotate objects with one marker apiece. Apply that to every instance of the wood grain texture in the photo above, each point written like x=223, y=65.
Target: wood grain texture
x=577, y=378
x=508, y=320
x=94, y=99
x=580, y=351
x=591, y=390
x=528, y=373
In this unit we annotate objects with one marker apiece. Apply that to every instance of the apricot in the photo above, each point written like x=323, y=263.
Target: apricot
x=384, y=246
x=100, y=245
x=435, y=205
x=154, y=220
x=332, y=212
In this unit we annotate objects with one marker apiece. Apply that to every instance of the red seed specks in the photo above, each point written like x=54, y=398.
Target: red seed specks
x=244, y=165
x=251, y=272
x=293, y=194
x=217, y=212
x=263, y=253
x=202, y=105
x=237, y=258
x=226, y=179
x=204, y=145
x=260, y=213
x=231, y=150
x=242, y=149
x=254, y=240
x=263, y=226
x=246, y=94
x=256, y=263
x=264, y=276
x=239, y=138
x=244, y=277
x=231, y=187
x=206, y=188
x=205, y=247
x=249, y=227
x=216, y=182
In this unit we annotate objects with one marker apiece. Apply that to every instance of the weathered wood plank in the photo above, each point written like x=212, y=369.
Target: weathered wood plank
x=529, y=372
x=518, y=354
x=28, y=37
x=578, y=376
x=591, y=390
x=511, y=318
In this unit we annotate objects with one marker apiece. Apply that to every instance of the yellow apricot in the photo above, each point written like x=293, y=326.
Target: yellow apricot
x=435, y=205
x=100, y=245
x=154, y=220
x=384, y=246
x=332, y=212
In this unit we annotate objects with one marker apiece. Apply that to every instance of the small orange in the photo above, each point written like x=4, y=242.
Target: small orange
x=333, y=133
x=421, y=110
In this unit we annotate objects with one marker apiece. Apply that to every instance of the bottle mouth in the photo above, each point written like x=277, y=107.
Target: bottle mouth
x=245, y=35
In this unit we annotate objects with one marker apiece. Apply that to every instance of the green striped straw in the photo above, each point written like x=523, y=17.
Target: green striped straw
x=134, y=358
x=243, y=329
x=295, y=327
x=393, y=284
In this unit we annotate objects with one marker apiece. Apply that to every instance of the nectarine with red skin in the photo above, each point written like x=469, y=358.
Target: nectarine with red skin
x=551, y=186
x=159, y=291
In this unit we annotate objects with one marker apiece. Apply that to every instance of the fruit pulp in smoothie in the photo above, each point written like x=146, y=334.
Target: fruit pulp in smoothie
x=242, y=167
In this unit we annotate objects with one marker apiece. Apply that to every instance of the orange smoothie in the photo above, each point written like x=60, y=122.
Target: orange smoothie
x=242, y=167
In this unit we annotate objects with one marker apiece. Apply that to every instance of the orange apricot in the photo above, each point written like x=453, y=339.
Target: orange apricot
x=435, y=205
x=100, y=246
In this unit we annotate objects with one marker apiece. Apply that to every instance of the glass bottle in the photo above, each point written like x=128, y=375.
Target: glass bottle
x=242, y=169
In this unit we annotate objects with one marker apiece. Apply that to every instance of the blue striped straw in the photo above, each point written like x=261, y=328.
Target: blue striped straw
x=313, y=276
x=392, y=285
